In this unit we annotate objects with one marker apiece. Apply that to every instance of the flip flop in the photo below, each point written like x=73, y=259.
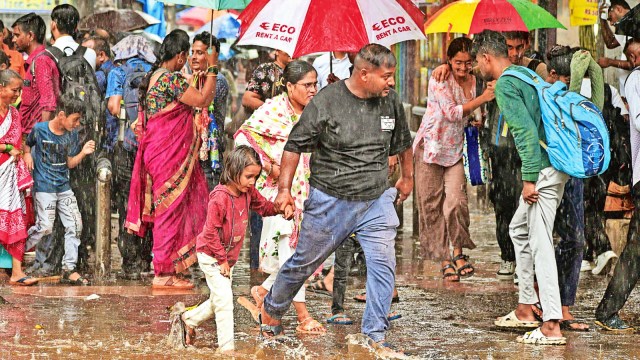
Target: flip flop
x=310, y=326
x=536, y=337
x=25, y=281
x=511, y=321
x=335, y=319
x=565, y=325
x=393, y=316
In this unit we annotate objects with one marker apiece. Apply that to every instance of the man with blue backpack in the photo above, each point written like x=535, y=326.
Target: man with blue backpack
x=541, y=193
x=136, y=56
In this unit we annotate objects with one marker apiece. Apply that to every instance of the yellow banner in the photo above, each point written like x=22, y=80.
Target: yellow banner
x=583, y=12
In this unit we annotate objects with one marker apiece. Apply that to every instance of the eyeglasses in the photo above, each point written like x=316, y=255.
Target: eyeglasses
x=309, y=86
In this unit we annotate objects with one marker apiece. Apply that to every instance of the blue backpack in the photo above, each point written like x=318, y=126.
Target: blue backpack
x=577, y=136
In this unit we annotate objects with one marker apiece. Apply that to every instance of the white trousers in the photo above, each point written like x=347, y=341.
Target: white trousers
x=220, y=303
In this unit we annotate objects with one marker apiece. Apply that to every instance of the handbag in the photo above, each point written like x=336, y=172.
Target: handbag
x=476, y=168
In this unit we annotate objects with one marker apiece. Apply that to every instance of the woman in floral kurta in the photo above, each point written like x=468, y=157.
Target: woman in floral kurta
x=267, y=131
x=439, y=171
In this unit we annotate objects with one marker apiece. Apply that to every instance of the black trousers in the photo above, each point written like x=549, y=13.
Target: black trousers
x=342, y=266
x=627, y=271
x=504, y=192
x=135, y=251
x=595, y=194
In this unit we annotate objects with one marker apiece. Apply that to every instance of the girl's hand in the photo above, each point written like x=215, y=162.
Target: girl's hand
x=225, y=270
x=288, y=212
x=15, y=153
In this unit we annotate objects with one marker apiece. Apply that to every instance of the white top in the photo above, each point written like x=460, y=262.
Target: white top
x=68, y=45
x=340, y=68
x=616, y=100
x=633, y=90
x=622, y=73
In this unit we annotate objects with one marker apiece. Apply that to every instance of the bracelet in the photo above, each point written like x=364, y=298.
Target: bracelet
x=212, y=70
x=8, y=148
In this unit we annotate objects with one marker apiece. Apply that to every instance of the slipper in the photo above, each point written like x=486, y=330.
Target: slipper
x=320, y=288
x=362, y=297
x=393, y=316
x=536, y=337
x=511, y=321
x=25, y=281
x=310, y=326
x=339, y=319
x=565, y=325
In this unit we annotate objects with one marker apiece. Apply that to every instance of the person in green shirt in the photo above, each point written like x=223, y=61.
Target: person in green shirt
x=542, y=189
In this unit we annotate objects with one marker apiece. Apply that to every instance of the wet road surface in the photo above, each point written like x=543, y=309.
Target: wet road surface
x=440, y=321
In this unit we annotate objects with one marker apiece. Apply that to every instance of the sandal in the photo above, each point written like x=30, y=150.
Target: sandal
x=537, y=311
x=450, y=276
x=310, y=326
x=269, y=331
x=80, y=281
x=536, y=337
x=511, y=321
x=25, y=281
x=171, y=282
x=339, y=319
x=565, y=325
x=320, y=288
x=466, y=266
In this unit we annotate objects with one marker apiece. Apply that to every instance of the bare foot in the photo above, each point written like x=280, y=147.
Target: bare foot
x=258, y=293
x=190, y=337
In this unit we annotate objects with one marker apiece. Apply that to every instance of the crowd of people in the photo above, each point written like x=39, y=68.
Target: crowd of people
x=308, y=171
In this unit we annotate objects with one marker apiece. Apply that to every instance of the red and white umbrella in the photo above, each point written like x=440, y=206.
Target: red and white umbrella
x=301, y=27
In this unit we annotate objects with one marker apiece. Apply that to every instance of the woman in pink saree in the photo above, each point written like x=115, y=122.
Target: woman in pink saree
x=14, y=178
x=168, y=187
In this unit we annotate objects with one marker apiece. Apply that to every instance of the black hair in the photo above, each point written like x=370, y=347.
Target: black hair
x=376, y=55
x=176, y=42
x=71, y=102
x=81, y=35
x=461, y=44
x=66, y=18
x=4, y=59
x=100, y=44
x=489, y=42
x=206, y=38
x=1, y=25
x=239, y=158
x=32, y=23
x=621, y=3
x=296, y=70
x=559, y=59
x=516, y=35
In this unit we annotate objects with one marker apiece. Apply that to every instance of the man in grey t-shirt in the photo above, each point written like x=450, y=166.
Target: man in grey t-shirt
x=351, y=128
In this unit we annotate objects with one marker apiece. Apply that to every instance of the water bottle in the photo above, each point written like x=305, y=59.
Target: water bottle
x=122, y=121
x=214, y=147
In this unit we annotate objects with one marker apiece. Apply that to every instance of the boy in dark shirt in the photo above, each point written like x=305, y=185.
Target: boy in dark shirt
x=52, y=149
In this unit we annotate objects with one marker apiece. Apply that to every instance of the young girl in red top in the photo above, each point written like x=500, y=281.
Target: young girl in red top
x=219, y=244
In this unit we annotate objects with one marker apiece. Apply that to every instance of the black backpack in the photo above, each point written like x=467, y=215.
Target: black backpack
x=134, y=74
x=76, y=73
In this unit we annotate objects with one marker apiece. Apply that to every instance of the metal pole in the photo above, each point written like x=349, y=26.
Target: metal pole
x=102, y=267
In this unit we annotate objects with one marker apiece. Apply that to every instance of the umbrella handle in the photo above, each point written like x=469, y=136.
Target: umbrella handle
x=330, y=62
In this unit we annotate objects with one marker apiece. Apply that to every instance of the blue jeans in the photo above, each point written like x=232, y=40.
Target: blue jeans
x=569, y=226
x=327, y=222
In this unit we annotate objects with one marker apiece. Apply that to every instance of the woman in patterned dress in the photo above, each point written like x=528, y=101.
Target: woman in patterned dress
x=439, y=171
x=267, y=131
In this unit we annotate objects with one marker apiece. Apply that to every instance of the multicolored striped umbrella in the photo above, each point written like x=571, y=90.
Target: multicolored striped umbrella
x=474, y=16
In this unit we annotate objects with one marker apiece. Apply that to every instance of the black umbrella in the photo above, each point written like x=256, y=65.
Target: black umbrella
x=629, y=24
x=117, y=20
